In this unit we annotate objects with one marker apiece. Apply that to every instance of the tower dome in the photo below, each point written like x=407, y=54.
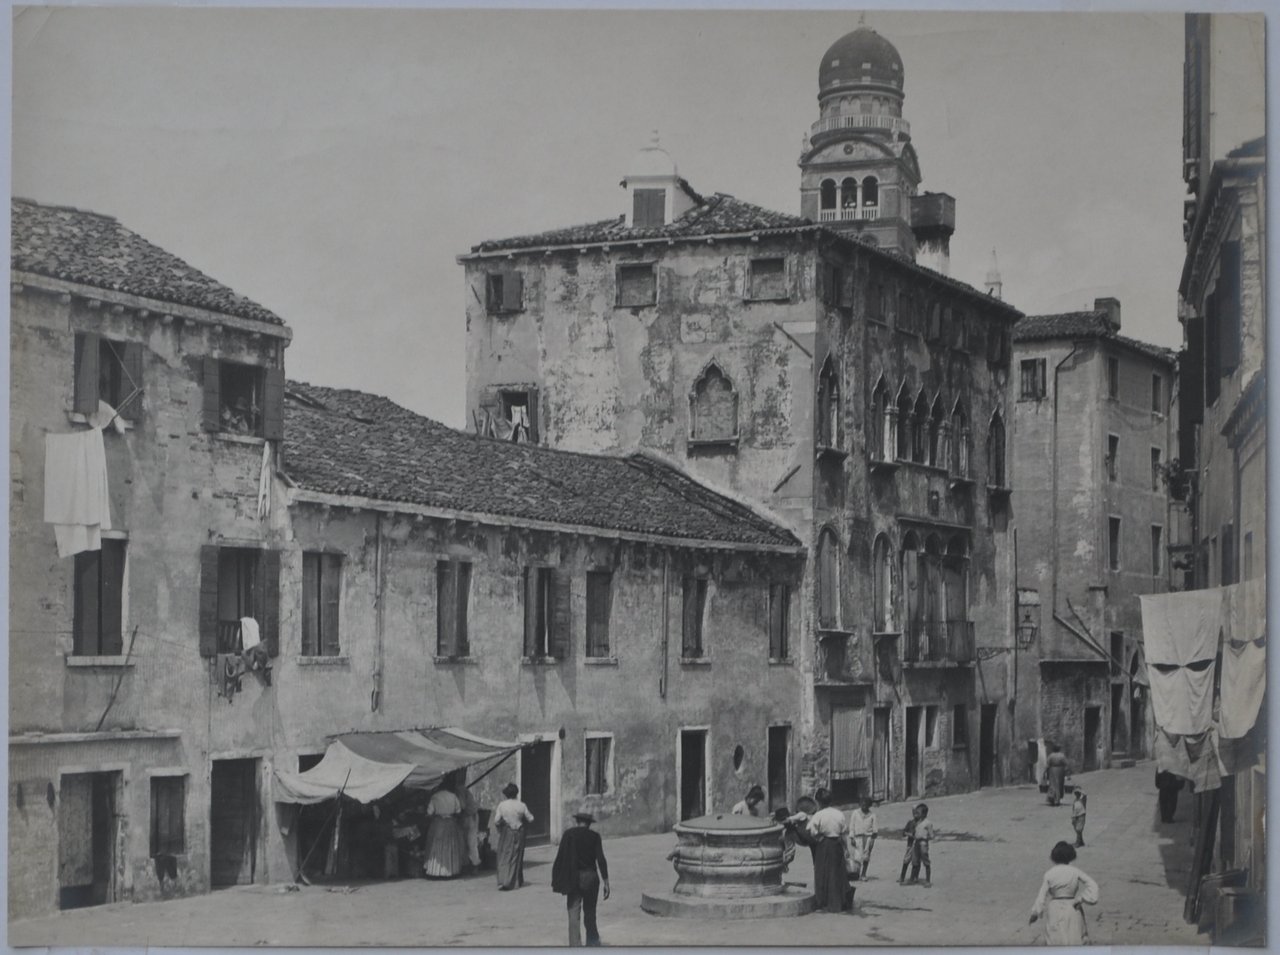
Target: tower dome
x=859, y=59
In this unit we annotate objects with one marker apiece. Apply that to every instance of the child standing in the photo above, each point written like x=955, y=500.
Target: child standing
x=919, y=832
x=1077, y=816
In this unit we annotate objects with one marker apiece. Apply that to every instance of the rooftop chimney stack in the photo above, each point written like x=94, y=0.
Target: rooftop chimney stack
x=1111, y=306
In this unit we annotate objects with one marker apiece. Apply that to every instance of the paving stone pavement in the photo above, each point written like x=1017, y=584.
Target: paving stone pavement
x=991, y=852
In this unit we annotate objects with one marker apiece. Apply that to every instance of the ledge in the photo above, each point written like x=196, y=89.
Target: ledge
x=339, y=661
x=93, y=661
x=876, y=464
x=826, y=451
x=695, y=662
x=46, y=739
x=781, y=662
x=540, y=661
x=999, y=490
x=825, y=632
x=231, y=437
x=726, y=444
x=75, y=417
x=885, y=633
x=464, y=661
x=600, y=661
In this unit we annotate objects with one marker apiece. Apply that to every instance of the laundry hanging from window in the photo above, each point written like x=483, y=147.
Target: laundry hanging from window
x=76, y=498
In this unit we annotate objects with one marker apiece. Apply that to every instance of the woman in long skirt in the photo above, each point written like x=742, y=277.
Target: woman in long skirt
x=1063, y=894
x=1055, y=773
x=445, y=848
x=830, y=879
x=512, y=815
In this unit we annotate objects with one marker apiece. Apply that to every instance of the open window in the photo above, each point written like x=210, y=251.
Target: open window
x=828, y=580
x=961, y=444
x=453, y=592
x=243, y=399
x=599, y=607
x=827, y=199
x=168, y=815
x=920, y=430
x=98, y=622
x=882, y=585
x=693, y=611
x=779, y=621
x=504, y=291
x=996, y=452
x=107, y=371
x=519, y=408
x=546, y=613
x=829, y=405
x=905, y=424
x=870, y=192
x=235, y=583
x=884, y=424
x=937, y=434
x=1033, y=378
x=713, y=407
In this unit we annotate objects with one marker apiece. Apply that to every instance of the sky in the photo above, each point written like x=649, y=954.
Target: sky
x=331, y=164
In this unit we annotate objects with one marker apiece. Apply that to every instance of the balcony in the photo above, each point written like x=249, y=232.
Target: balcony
x=938, y=643
x=865, y=213
x=894, y=124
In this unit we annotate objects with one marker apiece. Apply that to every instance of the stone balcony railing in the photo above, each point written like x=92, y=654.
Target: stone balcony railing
x=895, y=124
x=850, y=212
x=938, y=642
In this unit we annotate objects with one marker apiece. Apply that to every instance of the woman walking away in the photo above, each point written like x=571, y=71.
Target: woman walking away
x=445, y=848
x=1077, y=816
x=512, y=814
x=830, y=880
x=1063, y=893
x=1055, y=774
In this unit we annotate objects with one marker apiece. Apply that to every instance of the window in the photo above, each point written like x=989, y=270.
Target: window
x=935, y=322
x=827, y=198
x=1157, y=394
x=996, y=452
x=1033, y=378
x=453, y=588
x=1228, y=555
x=1113, y=542
x=520, y=413
x=828, y=580
x=904, y=321
x=694, y=607
x=321, y=590
x=637, y=285
x=1117, y=652
x=238, y=582
x=882, y=585
x=107, y=371
x=243, y=399
x=1113, y=377
x=546, y=614
x=959, y=726
x=99, y=600
x=1229, y=305
x=599, y=764
x=1113, y=457
x=997, y=346
x=168, y=815
x=779, y=621
x=870, y=191
x=938, y=434
x=1246, y=556
x=1157, y=550
x=930, y=726
x=961, y=442
x=713, y=407
x=920, y=430
x=504, y=292
x=649, y=208
x=829, y=405
x=1155, y=469
x=884, y=423
x=768, y=279
x=832, y=287
x=599, y=602
x=905, y=425
x=848, y=198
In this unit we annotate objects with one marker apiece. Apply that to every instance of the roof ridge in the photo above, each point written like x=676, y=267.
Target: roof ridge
x=76, y=209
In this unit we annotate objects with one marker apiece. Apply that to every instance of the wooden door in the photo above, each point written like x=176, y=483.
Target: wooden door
x=778, y=766
x=880, y=754
x=535, y=790
x=693, y=774
x=233, y=822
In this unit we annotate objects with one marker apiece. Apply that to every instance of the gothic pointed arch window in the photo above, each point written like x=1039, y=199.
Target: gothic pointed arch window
x=713, y=406
x=829, y=405
x=911, y=557
x=937, y=434
x=934, y=597
x=904, y=424
x=884, y=424
x=920, y=429
x=870, y=192
x=996, y=452
x=961, y=442
x=827, y=196
x=828, y=579
x=882, y=585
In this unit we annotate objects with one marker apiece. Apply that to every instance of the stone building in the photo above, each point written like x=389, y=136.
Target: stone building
x=606, y=612
x=1093, y=432
x=811, y=365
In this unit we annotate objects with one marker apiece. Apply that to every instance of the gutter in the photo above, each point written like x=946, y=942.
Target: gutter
x=1053, y=496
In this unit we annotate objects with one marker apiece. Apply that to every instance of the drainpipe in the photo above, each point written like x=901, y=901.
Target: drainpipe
x=375, y=696
x=1053, y=497
x=666, y=622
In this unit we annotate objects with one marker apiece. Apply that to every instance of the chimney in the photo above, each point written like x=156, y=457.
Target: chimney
x=994, y=284
x=1112, y=307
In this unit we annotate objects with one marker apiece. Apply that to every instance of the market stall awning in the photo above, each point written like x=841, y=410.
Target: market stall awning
x=367, y=766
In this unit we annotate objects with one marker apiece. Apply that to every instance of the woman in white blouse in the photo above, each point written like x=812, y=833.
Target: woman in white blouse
x=1063, y=894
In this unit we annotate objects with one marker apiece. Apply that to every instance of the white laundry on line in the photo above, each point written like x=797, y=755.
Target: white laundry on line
x=1180, y=640
x=1244, y=657
x=76, y=498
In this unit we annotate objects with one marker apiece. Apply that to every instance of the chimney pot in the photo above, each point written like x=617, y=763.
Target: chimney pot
x=1111, y=306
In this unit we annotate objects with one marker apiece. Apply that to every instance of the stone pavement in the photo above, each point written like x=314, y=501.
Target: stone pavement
x=992, y=850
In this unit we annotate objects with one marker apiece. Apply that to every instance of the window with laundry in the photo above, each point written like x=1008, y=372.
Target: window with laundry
x=693, y=611
x=599, y=606
x=239, y=600
x=321, y=596
x=168, y=815
x=98, y=627
x=520, y=412
x=243, y=399
x=453, y=593
x=108, y=371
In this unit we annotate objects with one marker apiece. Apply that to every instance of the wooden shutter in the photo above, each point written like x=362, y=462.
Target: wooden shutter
x=777, y=621
x=330, y=597
x=310, y=604
x=849, y=739
x=531, y=615
x=269, y=564
x=212, y=384
x=87, y=350
x=273, y=404
x=86, y=613
x=208, y=600
x=131, y=362
x=111, y=638
x=561, y=618
x=446, y=610
x=1229, y=304
x=512, y=291
x=462, y=595
x=533, y=415
x=689, y=619
x=599, y=601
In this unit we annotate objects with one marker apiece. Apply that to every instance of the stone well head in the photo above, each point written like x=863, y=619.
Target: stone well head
x=728, y=856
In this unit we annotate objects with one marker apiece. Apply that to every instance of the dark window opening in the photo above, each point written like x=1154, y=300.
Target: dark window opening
x=599, y=604
x=598, y=755
x=1157, y=394
x=959, y=726
x=1155, y=469
x=996, y=452
x=520, y=411
x=1033, y=377
x=1113, y=542
x=99, y=600
x=1113, y=457
x=637, y=285
x=829, y=406
x=931, y=727
x=168, y=815
x=870, y=191
x=1113, y=377
x=827, y=195
x=905, y=426
x=779, y=621
x=693, y=610
x=504, y=292
x=238, y=594
x=241, y=388
x=238, y=582
x=453, y=589
x=768, y=279
x=539, y=582
x=321, y=594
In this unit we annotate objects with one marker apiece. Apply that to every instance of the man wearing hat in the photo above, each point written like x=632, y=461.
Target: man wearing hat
x=574, y=875
x=510, y=817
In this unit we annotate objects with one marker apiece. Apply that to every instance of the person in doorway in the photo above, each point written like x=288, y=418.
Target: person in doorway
x=1077, y=816
x=1064, y=892
x=1055, y=774
x=862, y=834
x=830, y=832
x=511, y=816
x=1168, y=786
x=752, y=804
x=445, y=848
x=581, y=874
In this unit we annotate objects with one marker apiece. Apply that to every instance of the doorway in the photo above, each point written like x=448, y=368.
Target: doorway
x=1119, y=736
x=535, y=789
x=778, y=761
x=880, y=753
x=88, y=831
x=987, y=745
x=233, y=822
x=693, y=773
x=1092, y=723
x=913, y=751
x=1137, y=727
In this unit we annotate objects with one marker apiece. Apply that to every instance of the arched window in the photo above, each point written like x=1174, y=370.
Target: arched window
x=713, y=406
x=829, y=405
x=828, y=579
x=995, y=452
x=849, y=194
x=870, y=191
x=912, y=594
x=882, y=584
x=960, y=442
x=904, y=424
x=827, y=192
x=884, y=424
x=920, y=430
x=937, y=434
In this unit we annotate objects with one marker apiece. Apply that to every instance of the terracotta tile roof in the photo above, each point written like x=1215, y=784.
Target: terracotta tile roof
x=347, y=442
x=94, y=249
x=1087, y=324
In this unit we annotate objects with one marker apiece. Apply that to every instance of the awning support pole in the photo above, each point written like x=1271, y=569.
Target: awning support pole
x=337, y=806
x=492, y=768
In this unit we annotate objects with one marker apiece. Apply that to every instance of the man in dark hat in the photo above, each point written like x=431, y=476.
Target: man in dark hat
x=579, y=873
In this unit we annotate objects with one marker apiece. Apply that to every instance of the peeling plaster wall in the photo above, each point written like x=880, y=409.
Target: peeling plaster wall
x=173, y=487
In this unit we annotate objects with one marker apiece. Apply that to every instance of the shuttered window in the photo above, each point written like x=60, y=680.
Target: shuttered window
x=849, y=750
x=599, y=604
x=168, y=815
x=504, y=292
x=649, y=208
x=321, y=592
x=693, y=608
x=238, y=582
x=599, y=764
x=779, y=621
x=453, y=590
x=108, y=371
x=637, y=285
x=243, y=399
x=547, y=600
x=99, y=600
